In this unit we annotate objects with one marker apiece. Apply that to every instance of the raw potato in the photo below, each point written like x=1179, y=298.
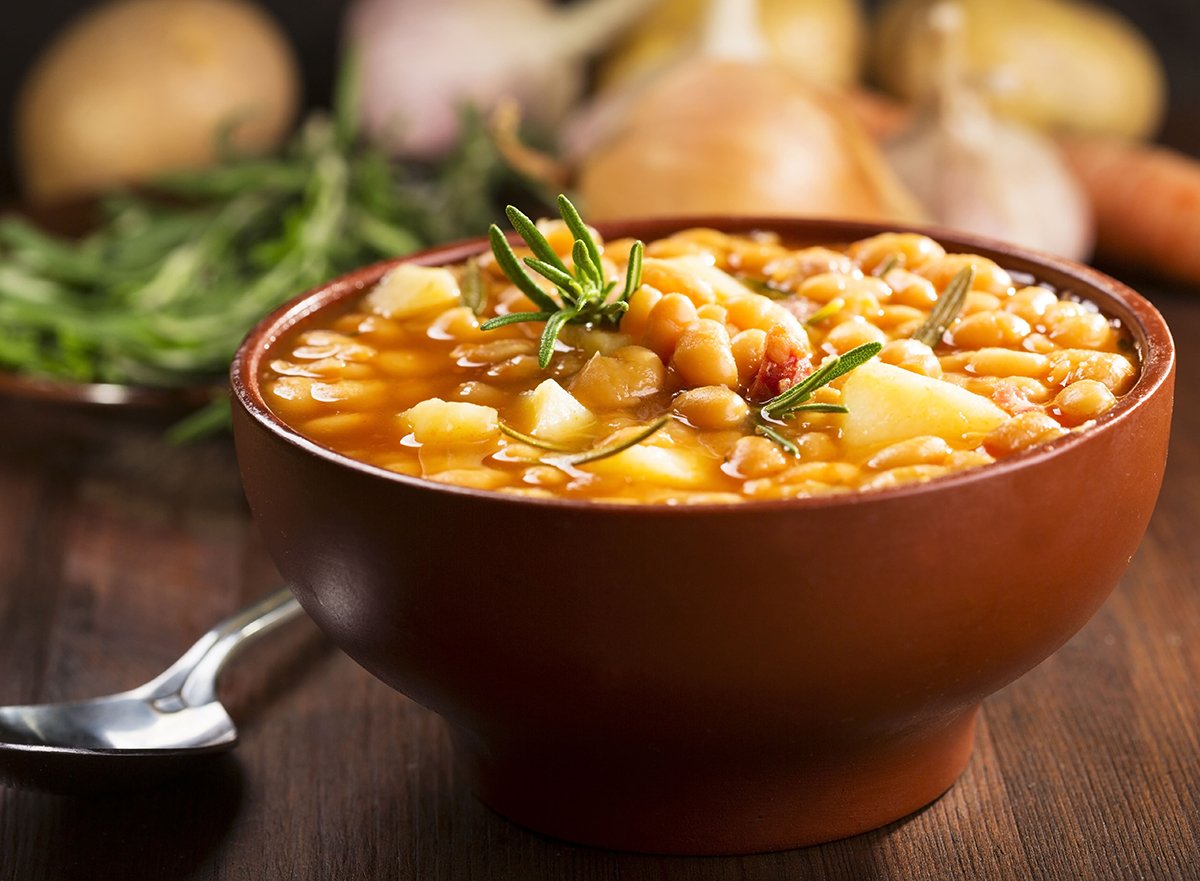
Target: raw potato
x=1060, y=65
x=138, y=87
x=889, y=404
x=821, y=40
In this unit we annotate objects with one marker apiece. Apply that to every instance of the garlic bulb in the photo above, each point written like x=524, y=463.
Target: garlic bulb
x=422, y=62
x=980, y=174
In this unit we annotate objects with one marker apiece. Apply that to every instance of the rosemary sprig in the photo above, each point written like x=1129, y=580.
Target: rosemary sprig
x=949, y=304
x=563, y=455
x=796, y=399
x=474, y=295
x=837, y=304
x=597, y=453
x=538, y=442
x=887, y=266
x=584, y=295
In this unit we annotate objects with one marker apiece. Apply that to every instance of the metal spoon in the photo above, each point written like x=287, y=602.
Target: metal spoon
x=137, y=737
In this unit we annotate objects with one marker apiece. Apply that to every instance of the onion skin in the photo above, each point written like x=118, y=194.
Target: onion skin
x=135, y=88
x=1059, y=65
x=821, y=40
x=738, y=138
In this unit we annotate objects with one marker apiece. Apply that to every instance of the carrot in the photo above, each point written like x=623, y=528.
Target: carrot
x=1146, y=201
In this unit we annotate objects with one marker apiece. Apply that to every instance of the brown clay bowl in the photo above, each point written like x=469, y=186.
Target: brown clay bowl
x=712, y=679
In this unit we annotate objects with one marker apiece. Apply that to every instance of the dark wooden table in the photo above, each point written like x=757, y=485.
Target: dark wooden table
x=117, y=550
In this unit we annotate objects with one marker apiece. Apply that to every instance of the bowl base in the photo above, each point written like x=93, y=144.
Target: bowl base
x=667, y=804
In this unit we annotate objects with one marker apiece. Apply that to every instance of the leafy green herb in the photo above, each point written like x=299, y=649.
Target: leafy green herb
x=583, y=456
x=765, y=288
x=474, y=295
x=796, y=399
x=163, y=289
x=887, y=265
x=538, y=442
x=598, y=453
x=949, y=304
x=837, y=304
x=584, y=295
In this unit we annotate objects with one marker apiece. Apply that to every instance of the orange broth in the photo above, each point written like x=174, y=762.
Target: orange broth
x=405, y=379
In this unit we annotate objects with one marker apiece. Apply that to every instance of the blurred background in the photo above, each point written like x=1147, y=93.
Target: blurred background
x=314, y=28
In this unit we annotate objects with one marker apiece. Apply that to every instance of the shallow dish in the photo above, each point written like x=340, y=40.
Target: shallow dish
x=708, y=678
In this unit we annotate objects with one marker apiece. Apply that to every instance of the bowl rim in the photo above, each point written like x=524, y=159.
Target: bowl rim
x=1151, y=337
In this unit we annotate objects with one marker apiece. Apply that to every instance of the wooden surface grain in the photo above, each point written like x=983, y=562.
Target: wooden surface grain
x=117, y=550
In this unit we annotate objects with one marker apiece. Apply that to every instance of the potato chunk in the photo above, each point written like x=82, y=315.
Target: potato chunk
x=451, y=422
x=889, y=404
x=555, y=414
x=410, y=290
x=666, y=466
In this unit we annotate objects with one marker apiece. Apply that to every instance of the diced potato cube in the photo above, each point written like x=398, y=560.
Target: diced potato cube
x=889, y=404
x=451, y=422
x=666, y=466
x=414, y=290
x=556, y=415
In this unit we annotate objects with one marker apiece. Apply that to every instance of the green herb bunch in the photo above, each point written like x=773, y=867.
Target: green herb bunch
x=162, y=290
x=584, y=295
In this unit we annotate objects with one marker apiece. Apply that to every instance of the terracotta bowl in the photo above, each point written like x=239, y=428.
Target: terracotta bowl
x=712, y=679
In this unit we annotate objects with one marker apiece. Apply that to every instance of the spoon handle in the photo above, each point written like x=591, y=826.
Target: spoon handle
x=193, y=678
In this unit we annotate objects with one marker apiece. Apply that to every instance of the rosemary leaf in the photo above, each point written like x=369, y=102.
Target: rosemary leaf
x=507, y=258
x=583, y=292
x=767, y=431
x=579, y=229
x=783, y=404
x=949, y=304
x=474, y=295
x=887, y=266
x=552, y=447
x=560, y=279
x=633, y=272
x=554, y=324
x=514, y=318
x=533, y=237
x=596, y=454
x=817, y=407
x=837, y=304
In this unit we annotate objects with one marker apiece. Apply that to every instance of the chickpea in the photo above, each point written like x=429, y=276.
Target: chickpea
x=714, y=312
x=910, y=289
x=910, y=249
x=1024, y=430
x=641, y=303
x=903, y=475
x=911, y=355
x=1083, y=400
x=1031, y=303
x=816, y=446
x=755, y=457
x=923, y=450
x=990, y=328
x=798, y=266
x=855, y=332
x=1071, y=365
x=989, y=277
x=1080, y=330
x=978, y=301
x=677, y=277
x=993, y=361
x=712, y=407
x=748, y=348
x=669, y=318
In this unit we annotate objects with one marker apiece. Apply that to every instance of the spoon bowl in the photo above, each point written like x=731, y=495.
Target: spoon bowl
x=142, y=736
